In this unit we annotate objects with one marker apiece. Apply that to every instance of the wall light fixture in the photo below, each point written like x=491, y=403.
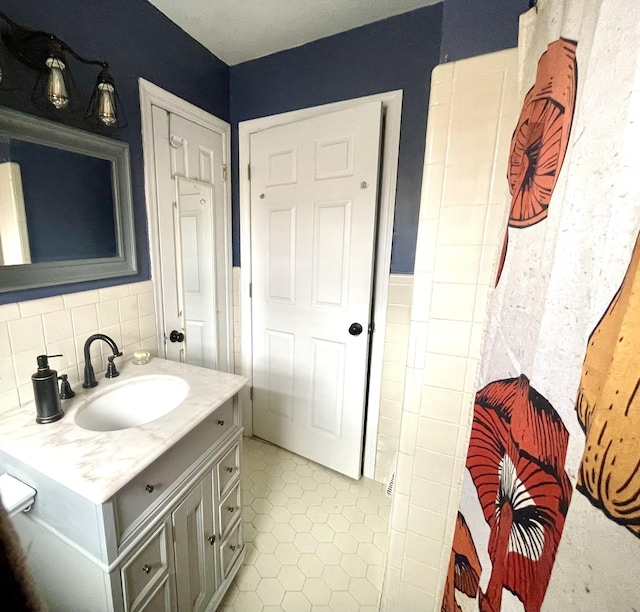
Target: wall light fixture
x=54, y=90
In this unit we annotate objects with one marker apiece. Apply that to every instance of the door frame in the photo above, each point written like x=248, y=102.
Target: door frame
x=392, y=104
x=152, y=95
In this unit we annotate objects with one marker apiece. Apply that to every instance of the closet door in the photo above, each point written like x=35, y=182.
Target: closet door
x=314, y=202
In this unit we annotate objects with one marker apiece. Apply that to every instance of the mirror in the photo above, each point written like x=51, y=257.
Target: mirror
x=65, y=205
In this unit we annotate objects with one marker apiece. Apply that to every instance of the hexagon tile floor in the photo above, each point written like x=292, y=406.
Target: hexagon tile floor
x=316, y=541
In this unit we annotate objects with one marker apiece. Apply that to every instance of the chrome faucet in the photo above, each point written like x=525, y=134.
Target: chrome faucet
x=89, y=376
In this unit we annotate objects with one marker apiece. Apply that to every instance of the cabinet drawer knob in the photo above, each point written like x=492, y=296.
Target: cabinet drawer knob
x=220, y=422
x=229, y=469
x=211, y=539
x=149, y=488
x=146, y=568
x=232, y=546
x=230, y=508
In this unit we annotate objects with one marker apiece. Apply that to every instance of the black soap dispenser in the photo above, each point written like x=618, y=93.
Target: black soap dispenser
x=45, y=392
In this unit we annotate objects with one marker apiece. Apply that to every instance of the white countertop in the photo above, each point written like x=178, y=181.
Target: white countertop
x=97, y=464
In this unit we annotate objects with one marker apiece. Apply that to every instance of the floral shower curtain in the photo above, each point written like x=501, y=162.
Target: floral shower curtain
x=550, y=511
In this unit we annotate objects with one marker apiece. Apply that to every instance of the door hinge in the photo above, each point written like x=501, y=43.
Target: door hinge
x=250, y=290
x=251, y=393
x=224, y=172
x=249, y=171
x=371, y=327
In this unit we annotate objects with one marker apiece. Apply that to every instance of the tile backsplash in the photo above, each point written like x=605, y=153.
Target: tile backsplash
x=61, y=325
x=396, y=345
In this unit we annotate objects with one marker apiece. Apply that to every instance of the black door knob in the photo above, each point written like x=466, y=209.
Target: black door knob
x=176, y=336
x=355, y=329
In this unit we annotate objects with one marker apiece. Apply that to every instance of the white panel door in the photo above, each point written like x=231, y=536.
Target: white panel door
x=197, y=254
x=189, y=174
x=313, y=221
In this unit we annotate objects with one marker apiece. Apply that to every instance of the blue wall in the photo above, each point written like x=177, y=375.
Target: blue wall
x=475, y=27
x=397, y=53
x=137, y=41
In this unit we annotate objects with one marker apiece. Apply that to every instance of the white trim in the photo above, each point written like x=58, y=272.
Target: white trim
x=152, y=95
x=392, y=103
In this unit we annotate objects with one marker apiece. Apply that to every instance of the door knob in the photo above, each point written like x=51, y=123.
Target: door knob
x=355, y=329
x=176, y=336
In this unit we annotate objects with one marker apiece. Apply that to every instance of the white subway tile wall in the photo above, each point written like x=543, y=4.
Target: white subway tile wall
x=237, y=321
x=396, y=346
x=462, y=217
x=243, y=396
x=61, y=324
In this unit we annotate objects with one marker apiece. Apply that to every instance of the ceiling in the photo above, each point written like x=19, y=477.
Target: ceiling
x=240, y=30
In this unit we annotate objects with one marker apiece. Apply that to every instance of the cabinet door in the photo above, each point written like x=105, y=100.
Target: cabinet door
x=194, y=547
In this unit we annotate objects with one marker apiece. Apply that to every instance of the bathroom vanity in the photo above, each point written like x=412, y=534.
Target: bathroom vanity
x=142, y=518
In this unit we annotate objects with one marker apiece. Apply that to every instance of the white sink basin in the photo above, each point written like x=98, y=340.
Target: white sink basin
x=132, y=403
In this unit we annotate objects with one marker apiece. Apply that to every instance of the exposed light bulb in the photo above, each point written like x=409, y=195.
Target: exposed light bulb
x=106, y=106
x=56, y=89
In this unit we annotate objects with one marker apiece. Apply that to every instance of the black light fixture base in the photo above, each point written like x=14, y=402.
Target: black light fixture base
x=31, y=48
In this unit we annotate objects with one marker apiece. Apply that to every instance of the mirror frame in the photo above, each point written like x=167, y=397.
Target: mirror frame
x=14, y=124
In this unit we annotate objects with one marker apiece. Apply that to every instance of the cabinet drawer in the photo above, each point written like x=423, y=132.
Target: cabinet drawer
x=162, y=600
x=145, y=568
x=229, y=509
x=228, y=469
x=230, y=549
x=149, y=486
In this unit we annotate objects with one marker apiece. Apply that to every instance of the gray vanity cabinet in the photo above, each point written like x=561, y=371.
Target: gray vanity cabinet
x=182, y=551
x=190, y=543
x=170, y=539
